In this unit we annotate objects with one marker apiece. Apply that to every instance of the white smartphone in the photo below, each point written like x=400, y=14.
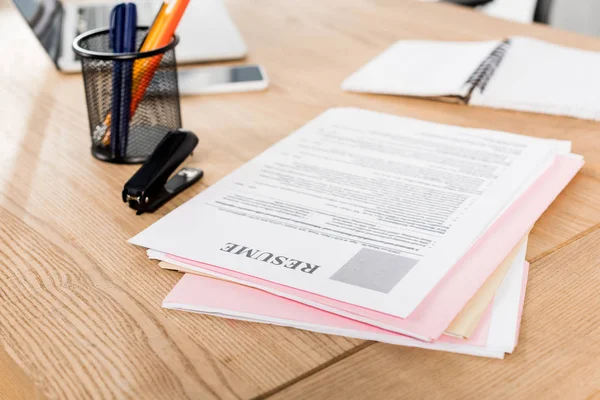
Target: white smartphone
x=224, y=79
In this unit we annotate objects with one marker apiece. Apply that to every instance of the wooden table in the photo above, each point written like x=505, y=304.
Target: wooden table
x=80, y=313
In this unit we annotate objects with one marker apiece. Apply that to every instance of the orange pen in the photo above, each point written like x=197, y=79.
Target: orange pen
x=159, y=35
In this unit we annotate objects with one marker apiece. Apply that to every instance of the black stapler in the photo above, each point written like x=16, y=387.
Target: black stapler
x=148, y=188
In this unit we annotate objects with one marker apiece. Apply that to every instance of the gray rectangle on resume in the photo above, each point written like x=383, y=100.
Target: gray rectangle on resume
x=375, y=270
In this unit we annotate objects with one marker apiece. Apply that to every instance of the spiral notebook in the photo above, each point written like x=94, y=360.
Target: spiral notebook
x=519, y=73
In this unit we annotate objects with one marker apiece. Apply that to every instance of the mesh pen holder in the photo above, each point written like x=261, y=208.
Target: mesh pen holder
x=153, y=82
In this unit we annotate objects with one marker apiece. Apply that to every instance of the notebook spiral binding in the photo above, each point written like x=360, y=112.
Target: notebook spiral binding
x=482, y=75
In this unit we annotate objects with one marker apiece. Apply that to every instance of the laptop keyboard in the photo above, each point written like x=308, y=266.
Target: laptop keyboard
x=98, y=16
x=92, y=18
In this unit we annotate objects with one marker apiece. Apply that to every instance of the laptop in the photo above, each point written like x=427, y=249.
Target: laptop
x=206, y=31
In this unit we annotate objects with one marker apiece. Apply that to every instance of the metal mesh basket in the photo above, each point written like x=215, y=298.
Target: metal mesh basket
x=154, y=109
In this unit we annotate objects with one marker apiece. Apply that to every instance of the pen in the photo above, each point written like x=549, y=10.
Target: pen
x=117, y=19
x=129, y=35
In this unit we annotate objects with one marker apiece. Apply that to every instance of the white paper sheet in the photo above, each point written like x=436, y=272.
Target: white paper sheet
x=505, y=321
x=350, y=192
x=514, y=10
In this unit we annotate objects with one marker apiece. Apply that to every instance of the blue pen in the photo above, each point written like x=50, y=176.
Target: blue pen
x=128, y=47
x=117, y=19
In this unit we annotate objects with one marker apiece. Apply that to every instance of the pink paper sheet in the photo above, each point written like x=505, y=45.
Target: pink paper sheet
x=431, y=318
x=204, y=294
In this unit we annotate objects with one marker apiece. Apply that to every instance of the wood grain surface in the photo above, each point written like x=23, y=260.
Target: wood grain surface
x=80, y=313
x=556, y=357
x=14, y=383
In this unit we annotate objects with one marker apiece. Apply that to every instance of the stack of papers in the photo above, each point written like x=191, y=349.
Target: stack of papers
x=371, y=226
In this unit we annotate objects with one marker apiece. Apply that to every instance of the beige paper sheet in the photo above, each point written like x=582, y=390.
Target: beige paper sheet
x=467, y=321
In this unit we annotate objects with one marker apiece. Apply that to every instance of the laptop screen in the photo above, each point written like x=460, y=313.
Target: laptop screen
x=45, y=17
